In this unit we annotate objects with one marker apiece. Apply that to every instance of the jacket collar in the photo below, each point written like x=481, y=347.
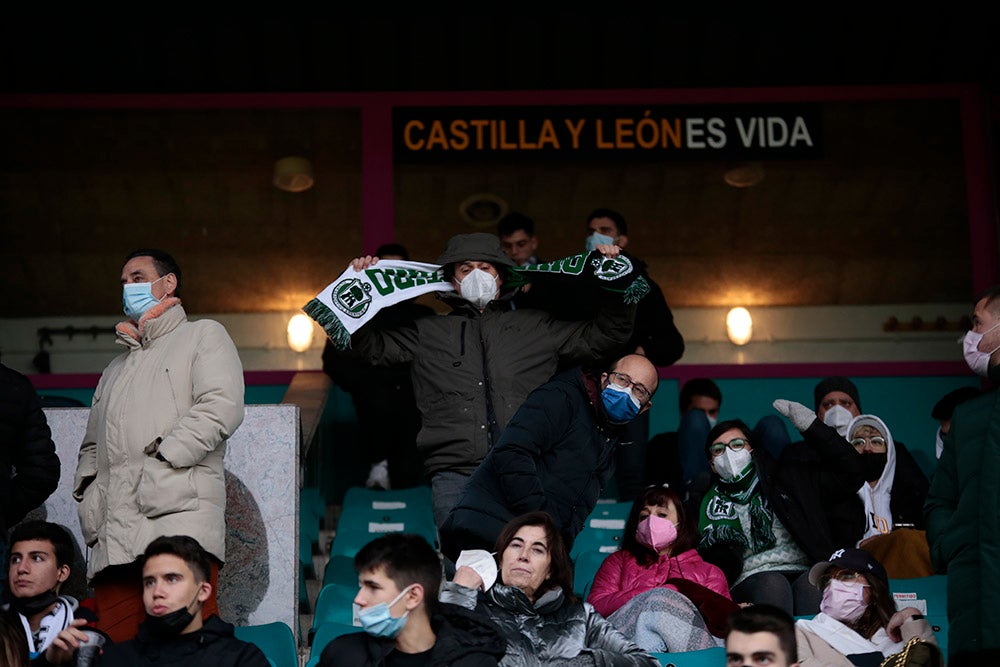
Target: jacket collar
x=514, y=600
x=159, y=320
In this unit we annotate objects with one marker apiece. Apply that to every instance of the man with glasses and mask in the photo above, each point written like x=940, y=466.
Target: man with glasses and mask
x=557, y=454
x=151, y=462
x=963, y=524
x=175, y=587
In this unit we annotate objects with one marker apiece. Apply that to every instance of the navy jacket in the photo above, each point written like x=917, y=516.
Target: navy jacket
x=556, y=455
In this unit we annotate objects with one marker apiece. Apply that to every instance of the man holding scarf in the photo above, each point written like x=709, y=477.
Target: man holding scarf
x=474, y=367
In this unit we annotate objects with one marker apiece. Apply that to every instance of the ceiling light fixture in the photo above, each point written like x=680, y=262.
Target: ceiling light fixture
x=293, y=174
x=744, y=174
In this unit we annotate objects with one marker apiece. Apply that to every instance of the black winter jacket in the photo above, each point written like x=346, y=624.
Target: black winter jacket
x=25, y=447
x=556, y=455
x=813, y=489
x=467, y=362
x=212, y=646
x=553, y=630
x=464, y=639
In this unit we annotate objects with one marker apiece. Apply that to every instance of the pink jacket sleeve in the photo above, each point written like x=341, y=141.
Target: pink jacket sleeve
x=610, y=592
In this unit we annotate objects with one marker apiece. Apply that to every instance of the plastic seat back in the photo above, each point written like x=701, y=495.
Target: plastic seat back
x=276, y=640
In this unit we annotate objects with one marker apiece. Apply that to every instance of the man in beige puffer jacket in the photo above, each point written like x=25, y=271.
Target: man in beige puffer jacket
x=151, y=462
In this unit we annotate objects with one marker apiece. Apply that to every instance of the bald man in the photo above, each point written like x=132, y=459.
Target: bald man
x=556, y=454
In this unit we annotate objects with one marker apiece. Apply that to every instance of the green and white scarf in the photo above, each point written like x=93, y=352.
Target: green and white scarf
x=353, y=299
x=718, y=520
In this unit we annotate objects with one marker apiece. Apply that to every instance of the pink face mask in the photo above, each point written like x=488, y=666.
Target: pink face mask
x=656, y=533
x=843, y=601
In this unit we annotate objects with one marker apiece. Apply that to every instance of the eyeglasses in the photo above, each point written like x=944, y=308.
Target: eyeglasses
x=735, y=444
x=638, y=390
x=846, y=577
x=876, y=442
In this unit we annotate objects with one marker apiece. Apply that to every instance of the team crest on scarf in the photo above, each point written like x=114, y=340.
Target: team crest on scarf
x=720, y=508
x=611, y=268
x=352, y=297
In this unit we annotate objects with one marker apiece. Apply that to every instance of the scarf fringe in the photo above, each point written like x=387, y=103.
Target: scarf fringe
x=327, y=319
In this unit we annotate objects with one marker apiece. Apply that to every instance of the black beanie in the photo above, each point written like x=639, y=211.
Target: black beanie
x=836, y=383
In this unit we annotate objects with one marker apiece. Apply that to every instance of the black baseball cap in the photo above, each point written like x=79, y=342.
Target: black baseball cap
x=856, y=560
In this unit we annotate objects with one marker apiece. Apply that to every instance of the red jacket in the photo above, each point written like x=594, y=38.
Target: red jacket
x=620, y=578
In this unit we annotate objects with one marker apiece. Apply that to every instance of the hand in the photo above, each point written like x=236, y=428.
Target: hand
x=466, y=576
x=801, y=416
x=66, y=643
x=362, y=263
x=894, y=627
x=609, y=250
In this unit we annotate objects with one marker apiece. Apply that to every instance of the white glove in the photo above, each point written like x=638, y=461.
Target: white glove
x=801, y=416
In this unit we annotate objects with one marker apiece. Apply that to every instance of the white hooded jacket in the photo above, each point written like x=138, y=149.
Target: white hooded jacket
x=878, y=513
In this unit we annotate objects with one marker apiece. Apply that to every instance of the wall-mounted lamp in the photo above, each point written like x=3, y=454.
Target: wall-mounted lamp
x=300, y=332
x=293, y=174
x=739, y=326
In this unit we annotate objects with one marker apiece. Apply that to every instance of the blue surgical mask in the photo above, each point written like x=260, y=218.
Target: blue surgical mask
x=378, y=622
x=619, y=403
x=137, y=298
x=597, y=239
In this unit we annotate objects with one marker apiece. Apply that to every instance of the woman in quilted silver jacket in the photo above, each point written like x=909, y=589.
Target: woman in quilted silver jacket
x=533, y=606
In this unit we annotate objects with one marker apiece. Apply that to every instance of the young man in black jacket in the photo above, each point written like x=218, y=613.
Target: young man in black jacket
x=402, y=619
x=175, y=586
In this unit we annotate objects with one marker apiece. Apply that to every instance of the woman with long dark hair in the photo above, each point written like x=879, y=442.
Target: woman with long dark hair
x=636, y=588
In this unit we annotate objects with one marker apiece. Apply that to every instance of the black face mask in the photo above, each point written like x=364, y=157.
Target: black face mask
x=35, y=604
x=873, y=463
x=169, y=625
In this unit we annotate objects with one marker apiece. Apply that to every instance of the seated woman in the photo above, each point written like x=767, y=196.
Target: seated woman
x=744, y=514
x=892, y=500
x=858, y=623
x=533, y=606
x=633, y=588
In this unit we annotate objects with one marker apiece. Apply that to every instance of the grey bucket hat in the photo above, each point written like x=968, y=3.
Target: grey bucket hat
x=479, y=247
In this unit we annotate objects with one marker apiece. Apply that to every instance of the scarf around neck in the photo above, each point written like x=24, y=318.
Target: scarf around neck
x=353, y=299
x=718, y=520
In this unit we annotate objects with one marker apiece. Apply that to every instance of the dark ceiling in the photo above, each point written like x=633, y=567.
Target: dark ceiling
x=447, y=50
x=870, y=224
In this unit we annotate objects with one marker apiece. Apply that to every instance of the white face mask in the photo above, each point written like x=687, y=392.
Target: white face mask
x=478, y=287
x=978, y=361
x=938, y=444
x=731, y=463
x=838, y=417
x=712, y=421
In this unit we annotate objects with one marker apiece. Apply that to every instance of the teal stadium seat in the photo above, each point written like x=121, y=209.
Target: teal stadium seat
x=584, y=568
x=334, y=604
x=275, y=639
x=931, y=591
x=368, y=513
x=603, y=529
x=709, y=657
x=325, y=634
x=359, y=497
x=340, y=570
